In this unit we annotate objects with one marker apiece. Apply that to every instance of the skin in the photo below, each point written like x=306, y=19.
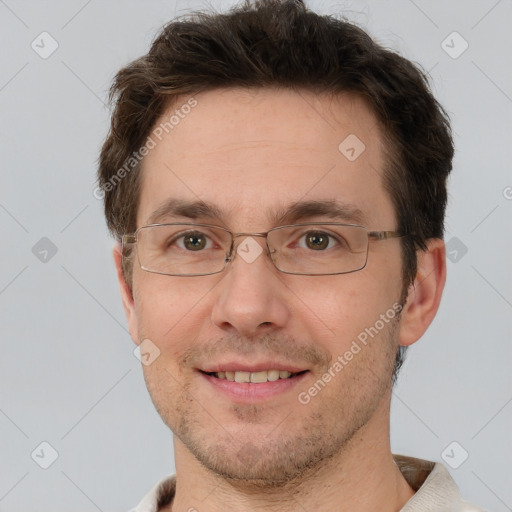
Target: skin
x=250, y=152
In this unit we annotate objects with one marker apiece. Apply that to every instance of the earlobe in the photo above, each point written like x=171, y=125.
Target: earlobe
x=424, y=293
x=126, y=293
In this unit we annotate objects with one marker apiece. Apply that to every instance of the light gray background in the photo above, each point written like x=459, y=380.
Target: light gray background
x=67, y=370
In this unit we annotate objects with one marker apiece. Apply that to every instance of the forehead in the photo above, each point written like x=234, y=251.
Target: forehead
x=252, y=152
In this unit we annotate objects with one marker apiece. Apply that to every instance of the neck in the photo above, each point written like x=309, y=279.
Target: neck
x=362, y=477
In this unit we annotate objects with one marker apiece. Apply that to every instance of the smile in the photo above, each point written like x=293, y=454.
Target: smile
x=254, y=377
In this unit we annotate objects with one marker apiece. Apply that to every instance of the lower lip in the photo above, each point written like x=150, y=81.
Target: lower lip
x=247, y=392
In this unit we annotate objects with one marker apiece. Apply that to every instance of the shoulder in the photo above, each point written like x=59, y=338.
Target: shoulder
x=158, y=497
x=434, y=486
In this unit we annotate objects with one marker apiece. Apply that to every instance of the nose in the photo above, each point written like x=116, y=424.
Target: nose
x=251, y=298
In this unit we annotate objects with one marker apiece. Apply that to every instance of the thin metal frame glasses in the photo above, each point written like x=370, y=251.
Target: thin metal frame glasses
x=195, y=249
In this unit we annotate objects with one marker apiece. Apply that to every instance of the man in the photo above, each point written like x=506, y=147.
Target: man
x=276, y=182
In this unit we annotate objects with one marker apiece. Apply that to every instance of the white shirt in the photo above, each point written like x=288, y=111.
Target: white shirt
x=435, y=489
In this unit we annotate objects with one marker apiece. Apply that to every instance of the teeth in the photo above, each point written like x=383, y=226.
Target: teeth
x=256, y=377
x=242, y=377
x=259, y=377
x=273, y=375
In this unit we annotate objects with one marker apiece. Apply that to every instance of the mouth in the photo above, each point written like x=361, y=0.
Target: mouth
x=257, y=377
x=252, y=384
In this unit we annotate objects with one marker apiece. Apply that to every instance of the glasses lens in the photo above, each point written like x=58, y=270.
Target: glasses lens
x=183, y=249
x=319, y=249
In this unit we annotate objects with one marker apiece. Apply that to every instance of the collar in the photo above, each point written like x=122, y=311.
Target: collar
x=434, y=486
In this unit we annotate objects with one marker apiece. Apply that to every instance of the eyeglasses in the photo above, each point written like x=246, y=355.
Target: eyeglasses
x=188, y=249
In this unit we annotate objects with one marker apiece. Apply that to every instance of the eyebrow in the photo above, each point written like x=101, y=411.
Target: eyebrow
x=292, y=213
x=182, y=208
x=331, y=209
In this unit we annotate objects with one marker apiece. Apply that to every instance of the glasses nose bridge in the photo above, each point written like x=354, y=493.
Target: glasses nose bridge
x=236, y=235
x=231, y=253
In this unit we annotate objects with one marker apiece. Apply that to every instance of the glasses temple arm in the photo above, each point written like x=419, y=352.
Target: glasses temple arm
x=384, y=235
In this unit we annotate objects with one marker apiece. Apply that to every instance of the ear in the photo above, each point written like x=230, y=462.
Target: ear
x=126, y=294
x=424, y=293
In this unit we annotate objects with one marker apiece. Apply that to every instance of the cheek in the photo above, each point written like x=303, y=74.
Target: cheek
x=170, y=311
x=334, y=313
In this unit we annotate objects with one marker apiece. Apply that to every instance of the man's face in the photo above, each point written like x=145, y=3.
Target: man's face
x=251, y=154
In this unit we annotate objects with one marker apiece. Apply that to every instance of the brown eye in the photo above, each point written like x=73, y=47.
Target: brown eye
x=317, y=240
x=194, y=241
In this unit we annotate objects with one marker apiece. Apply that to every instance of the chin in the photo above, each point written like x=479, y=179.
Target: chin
x=259, y=458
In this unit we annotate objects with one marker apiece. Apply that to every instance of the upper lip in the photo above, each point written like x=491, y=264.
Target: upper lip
x=233, y=366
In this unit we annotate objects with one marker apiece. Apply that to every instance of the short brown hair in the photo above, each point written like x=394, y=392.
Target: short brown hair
x=266, y=43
